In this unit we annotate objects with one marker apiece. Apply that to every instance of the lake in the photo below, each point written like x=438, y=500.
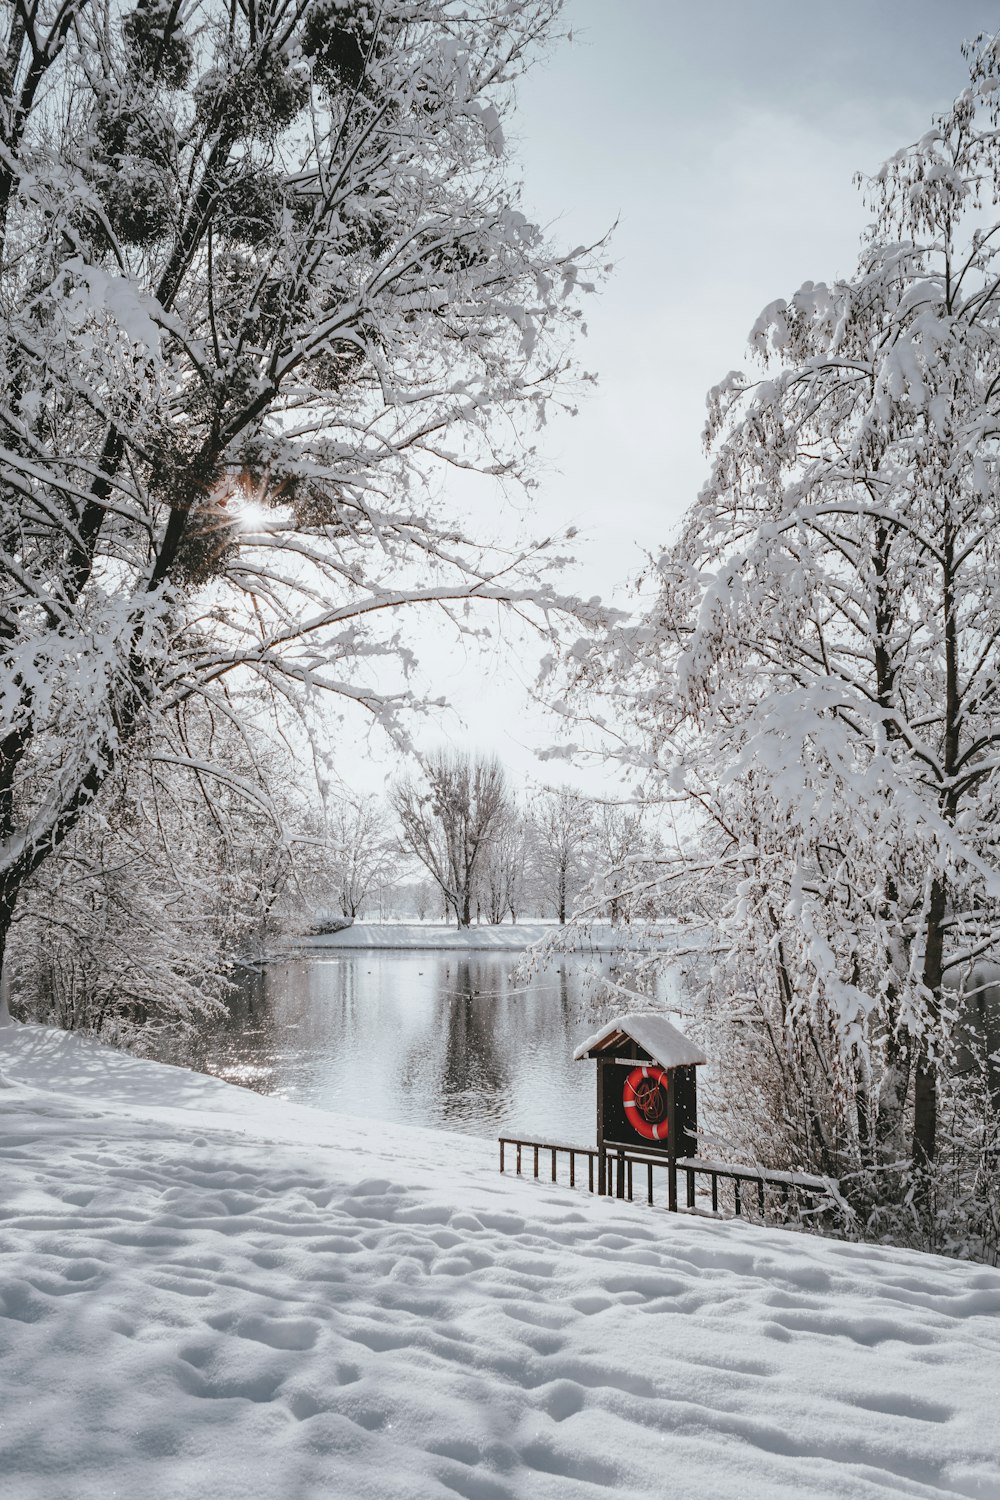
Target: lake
x=428, y=1038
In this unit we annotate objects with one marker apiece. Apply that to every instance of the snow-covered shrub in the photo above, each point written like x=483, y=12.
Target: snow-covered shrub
x=194, y=857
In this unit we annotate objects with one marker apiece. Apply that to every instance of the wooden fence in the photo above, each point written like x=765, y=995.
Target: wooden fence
x=754, y=1192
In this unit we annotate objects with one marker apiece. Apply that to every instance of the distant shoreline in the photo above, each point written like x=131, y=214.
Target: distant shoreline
x=509, y=938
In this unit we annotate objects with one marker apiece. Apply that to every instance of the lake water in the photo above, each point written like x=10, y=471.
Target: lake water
x=445, y=1040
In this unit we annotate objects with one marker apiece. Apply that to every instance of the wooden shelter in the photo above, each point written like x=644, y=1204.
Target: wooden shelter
x=647, y=1118
x=647, y=1098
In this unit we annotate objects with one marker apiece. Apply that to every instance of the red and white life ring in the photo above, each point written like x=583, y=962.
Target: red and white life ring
x=645, y=1100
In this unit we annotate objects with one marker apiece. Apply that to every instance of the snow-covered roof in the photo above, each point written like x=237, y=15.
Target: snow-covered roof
x=653, y=1032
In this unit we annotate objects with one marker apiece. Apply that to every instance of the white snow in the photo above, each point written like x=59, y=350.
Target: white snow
x=668, y=1046
x=208, y=1293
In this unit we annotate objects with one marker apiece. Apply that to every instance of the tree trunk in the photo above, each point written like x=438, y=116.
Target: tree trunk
x=925, y=1081
x=5, y=1015
x=893, y=1088
x=6, y=922
x=925, y=1110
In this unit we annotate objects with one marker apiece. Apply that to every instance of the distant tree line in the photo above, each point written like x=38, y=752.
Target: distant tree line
x=456, y=840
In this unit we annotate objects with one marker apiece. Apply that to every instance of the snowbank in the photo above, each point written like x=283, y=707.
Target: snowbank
x=601, y=938
x=208, y=1293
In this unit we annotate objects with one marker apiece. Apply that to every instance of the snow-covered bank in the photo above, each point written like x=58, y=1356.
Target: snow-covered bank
x=513, y=938
x=208, y=1293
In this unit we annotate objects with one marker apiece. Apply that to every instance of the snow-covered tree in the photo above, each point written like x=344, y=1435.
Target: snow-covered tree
x=361, y=849
x=135, y=922
x=818, y=681
x=262, y=271
x=623, y=847
x=449, y=818
x=424, y=898
x=562, y=848
x=501, y=875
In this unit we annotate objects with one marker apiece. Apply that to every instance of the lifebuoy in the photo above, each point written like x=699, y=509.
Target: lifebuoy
x=645, y=1100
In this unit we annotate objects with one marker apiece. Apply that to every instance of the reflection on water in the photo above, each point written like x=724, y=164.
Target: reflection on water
x=434, y=1039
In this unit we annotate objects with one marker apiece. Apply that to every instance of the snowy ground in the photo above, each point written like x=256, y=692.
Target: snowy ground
x=206, y=1293
x=512, y=938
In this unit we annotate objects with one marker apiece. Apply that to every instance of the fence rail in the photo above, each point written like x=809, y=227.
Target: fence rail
x=754, y=1191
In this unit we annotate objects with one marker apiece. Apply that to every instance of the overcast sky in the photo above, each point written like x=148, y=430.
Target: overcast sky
x=723, y=139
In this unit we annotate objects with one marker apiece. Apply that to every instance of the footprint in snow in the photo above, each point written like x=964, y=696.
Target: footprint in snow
x=904, y=1405
x=372, y=1187
x=646, y=1285
x=303, y=1406
x=278, y=1333
x=472, y=1485
x=535, y=1317
x=590, y=1305
x=78, y=1197
x=866, y=1331
x=461, y=1265
x=84, y=1270
x=562, y=1399
x=380, y=1340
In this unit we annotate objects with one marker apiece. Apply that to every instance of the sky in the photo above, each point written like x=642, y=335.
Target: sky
x=721, y=142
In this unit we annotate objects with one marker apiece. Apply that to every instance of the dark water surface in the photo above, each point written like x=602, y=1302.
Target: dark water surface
x=425, y=1038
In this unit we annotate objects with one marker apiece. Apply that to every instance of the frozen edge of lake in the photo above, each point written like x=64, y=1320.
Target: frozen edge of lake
x=514, y=938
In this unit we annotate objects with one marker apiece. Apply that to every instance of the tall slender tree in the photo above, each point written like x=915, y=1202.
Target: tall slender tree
x=500, y=888
x=563, y=847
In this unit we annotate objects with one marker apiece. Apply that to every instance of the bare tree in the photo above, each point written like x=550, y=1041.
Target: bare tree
x=624, y=848
x=563, y=846
x=501, y=882
x=135, y=922
x=449, y=820
x=423, y=894
x=362, y=851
